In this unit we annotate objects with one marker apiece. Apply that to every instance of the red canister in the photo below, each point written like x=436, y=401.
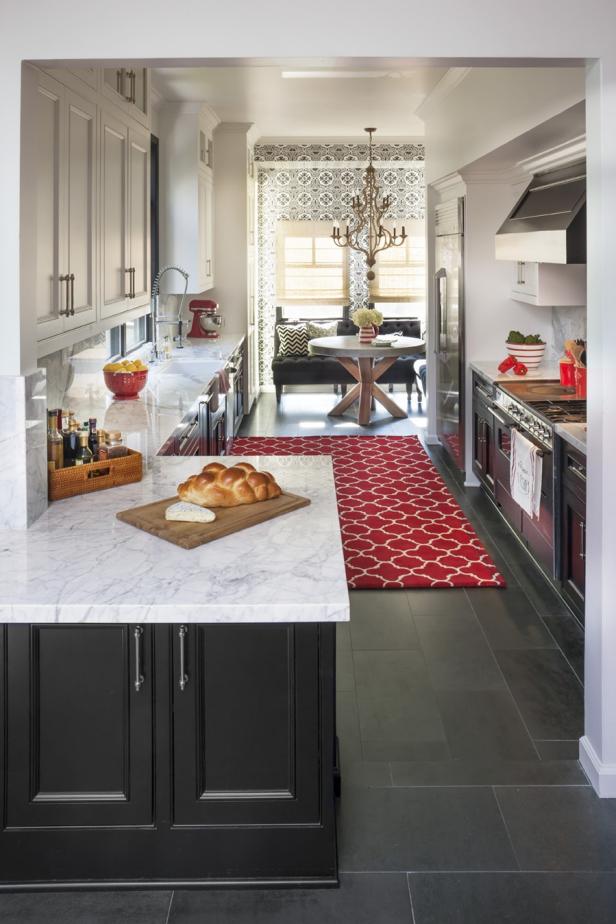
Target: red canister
x=580, y=381
x=567, y=373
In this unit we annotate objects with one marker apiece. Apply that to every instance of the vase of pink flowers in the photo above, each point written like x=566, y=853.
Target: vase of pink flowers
x=368, y=320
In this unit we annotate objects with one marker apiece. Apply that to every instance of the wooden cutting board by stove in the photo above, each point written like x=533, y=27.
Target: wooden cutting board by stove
x=239, y=496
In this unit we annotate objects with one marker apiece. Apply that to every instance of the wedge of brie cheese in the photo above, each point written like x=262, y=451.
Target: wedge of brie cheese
x=189, y=513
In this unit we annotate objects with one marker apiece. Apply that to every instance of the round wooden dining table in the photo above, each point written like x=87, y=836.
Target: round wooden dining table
x=366, y=362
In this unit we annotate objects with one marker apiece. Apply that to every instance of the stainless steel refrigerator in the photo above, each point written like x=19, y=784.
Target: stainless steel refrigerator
x=449, y=327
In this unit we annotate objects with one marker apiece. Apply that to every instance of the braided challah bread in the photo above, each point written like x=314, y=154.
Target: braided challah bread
x=219, y=486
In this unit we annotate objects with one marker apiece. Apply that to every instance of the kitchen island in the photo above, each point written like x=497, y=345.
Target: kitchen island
x=169, y=713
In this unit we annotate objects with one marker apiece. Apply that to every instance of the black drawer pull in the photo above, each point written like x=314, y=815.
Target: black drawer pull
x=182, y=633
x=139, y=678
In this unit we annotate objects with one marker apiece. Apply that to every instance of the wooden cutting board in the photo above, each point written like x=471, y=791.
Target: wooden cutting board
x=151, y=518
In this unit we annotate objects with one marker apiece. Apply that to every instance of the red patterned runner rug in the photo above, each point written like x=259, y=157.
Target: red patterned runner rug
x=400, y=525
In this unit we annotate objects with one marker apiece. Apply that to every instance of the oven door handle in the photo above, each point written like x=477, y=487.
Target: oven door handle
x=500, y=419
x=515, y=426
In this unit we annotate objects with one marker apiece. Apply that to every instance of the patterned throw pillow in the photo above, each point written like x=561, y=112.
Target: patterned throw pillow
x=293, y=340
x=322, y=330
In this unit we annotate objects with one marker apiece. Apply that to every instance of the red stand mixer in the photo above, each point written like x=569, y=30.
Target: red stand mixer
x=206, y=318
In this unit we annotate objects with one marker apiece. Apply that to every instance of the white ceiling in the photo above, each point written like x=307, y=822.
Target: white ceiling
x=336, y=104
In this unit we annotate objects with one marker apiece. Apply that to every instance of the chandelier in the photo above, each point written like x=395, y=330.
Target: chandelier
x=365, y=232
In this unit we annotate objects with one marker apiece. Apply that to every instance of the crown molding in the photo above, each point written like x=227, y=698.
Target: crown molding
x=446, y=85
x=446, y=183
x=570, y=152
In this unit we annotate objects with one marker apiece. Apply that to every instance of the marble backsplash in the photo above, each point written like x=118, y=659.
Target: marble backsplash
x=566, y=324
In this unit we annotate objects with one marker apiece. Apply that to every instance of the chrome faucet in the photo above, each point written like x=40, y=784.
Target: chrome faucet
x=157, y=320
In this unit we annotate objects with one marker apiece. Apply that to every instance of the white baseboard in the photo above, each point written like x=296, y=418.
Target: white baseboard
x=602, y=776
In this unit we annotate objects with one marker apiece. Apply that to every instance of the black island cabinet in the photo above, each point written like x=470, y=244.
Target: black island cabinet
x=189, y=754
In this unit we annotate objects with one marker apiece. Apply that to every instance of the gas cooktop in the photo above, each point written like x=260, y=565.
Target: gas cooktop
x=571, y=411
x=549, y=400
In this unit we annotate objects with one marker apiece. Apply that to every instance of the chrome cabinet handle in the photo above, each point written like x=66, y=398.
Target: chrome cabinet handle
x=72, y=285
x=582, y=539
x=132, y=93
x=139, y=678
x=67, y=303
x=182, y=633
x=576, y=469
x=209, y=267
x=131, y=282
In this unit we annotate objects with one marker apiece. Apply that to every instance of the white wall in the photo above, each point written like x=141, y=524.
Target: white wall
x=447, y=32
x=490, y=107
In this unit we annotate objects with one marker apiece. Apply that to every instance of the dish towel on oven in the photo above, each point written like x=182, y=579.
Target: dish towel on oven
x=525, y=473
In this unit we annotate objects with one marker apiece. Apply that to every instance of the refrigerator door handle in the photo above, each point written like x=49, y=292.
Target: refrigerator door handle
x=440, y=291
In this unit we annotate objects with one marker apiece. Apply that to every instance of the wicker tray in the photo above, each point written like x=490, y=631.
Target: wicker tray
x=95, y=476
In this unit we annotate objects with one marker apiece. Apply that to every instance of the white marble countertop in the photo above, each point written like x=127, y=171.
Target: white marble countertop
x=573, y=433
x=545, y=372
x=78, y=563
x=173, y=385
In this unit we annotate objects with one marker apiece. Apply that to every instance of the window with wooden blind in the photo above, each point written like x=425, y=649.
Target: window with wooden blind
x=401, y=271
x=310, y=268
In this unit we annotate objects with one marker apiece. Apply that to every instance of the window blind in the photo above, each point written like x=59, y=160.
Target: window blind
x=401, y=271
x=309, y=266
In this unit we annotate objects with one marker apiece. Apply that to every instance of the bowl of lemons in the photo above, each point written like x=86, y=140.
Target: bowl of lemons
x=125, y=379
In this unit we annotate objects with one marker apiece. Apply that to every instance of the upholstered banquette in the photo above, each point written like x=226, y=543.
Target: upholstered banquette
x=306, y=369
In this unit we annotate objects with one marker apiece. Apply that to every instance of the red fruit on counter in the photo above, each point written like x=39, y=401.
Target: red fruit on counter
x=520, y=369
x=507, y=364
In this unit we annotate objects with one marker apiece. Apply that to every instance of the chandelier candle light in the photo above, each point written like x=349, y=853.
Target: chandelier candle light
x=366, y=232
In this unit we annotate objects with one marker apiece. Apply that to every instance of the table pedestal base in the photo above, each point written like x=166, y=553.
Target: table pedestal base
x=366, y=373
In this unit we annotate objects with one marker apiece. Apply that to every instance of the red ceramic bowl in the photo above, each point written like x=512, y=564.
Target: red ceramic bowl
x=126, y=384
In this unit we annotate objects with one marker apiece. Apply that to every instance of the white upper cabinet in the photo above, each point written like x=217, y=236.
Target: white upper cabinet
x=187, y=194
x=85, y=206
x=125, y=221
x=115, y=275
x=129, y=88
x=205, y=208
x=81, y=209
x=549, y=284
x=59, y=231
x=139, y=215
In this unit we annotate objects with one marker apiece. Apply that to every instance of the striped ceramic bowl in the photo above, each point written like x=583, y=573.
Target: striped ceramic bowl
x=531, y=354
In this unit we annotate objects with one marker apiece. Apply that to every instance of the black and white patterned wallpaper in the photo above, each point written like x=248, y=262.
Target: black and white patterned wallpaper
x=337, y=152
x=316, y=182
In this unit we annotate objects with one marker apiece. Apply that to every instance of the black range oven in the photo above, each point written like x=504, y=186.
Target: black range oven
x=538, y=533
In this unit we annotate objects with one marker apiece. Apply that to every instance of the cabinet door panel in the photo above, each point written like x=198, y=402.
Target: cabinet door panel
x=246, y=737
x=81, y=194
x=79, y=733
x=202, y=218
x=114, y=144
x=47, y=218
x=573, y=564
x=139, y=215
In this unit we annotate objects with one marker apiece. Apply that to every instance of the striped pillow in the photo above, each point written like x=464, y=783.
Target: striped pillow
x=293, y=339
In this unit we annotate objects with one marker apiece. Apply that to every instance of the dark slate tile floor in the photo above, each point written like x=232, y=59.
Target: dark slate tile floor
x=458, y=718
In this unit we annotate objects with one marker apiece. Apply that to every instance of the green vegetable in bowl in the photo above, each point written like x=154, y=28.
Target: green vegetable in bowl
x=515, y=336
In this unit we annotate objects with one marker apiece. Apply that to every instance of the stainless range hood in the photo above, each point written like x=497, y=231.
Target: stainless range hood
x=548, y=222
